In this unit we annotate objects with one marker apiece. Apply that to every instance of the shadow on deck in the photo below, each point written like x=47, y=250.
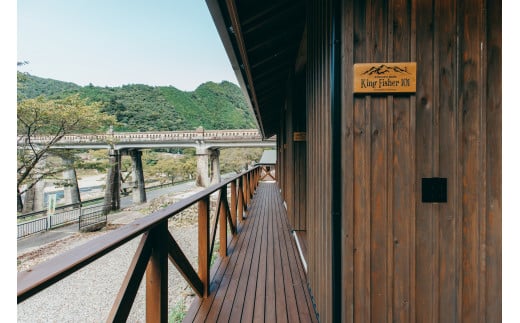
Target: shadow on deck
x=262, y=278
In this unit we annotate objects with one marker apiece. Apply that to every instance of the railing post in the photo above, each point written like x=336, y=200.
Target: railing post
x=251, y=186
x=233, y=207
x=223, y=223
x=157, y=276
x=247, y=188
x=204, y=244
x=256, y=177
x=240, y=207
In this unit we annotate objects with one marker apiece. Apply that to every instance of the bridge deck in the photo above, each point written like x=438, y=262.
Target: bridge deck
x=262, y=279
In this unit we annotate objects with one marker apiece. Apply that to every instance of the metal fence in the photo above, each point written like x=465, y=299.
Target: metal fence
x=64, y=217
x=31, y=227
x=92, y=216
x=43, y=212
x=85, y=215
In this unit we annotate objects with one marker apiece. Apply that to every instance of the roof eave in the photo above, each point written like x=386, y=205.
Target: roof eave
x=236, y=56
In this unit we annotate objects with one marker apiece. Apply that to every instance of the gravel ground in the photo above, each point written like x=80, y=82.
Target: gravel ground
x=88, y=294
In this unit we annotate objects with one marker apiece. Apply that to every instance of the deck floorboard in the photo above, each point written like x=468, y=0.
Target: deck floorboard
x=262, y=279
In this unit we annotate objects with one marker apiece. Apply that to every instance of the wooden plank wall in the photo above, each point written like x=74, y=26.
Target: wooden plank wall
x=404, y=260
x=279, y=160
x=319, y=180
x=292, y=179
x=288, y=156
x=299, y=121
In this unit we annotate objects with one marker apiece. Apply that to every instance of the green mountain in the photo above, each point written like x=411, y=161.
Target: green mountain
x=156, y=108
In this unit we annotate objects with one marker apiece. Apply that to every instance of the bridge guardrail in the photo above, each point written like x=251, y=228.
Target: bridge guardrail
x=122, y=137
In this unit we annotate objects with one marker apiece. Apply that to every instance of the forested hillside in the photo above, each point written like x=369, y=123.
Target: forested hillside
x=149, y=108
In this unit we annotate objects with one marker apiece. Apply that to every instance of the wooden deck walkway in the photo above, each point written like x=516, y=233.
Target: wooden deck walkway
x=262, y=279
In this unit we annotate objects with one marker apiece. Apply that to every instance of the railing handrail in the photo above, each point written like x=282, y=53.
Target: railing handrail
x=41, y=276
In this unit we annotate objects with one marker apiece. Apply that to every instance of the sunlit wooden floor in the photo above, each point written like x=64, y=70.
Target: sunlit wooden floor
x=262, y=279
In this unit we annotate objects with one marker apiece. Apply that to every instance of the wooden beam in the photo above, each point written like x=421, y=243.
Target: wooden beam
x=204, y=245
x=234, y=204
x=157, y=276
x=183, y=265
x=222, y=223
x=240, y=206
x=232, y=225
x=126, y=296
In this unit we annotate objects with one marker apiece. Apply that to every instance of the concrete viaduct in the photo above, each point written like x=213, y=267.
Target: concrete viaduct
x=206, y=143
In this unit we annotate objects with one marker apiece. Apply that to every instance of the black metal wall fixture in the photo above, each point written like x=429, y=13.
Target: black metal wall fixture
x=434, y=190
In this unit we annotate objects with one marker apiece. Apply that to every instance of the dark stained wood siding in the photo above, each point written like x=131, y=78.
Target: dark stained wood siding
x=288, y=155
x=404, y=260
x=300, y=154
x=493, y=155
x=318, y=155
x=292, y=156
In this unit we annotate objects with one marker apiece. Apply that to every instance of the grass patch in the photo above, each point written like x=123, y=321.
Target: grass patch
x=214, y=255
x=178, y=312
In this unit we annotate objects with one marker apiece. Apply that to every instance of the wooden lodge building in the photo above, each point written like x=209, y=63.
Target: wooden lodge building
x=387, y=205
x=397, y=193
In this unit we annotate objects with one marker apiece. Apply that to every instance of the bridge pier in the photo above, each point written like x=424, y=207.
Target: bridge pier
x=112, y=200
x=202, y=167
x=34, y=198
x=215, y=165
x=138, y=191
x=206, y=158
x=71, y=189
x=39, y=200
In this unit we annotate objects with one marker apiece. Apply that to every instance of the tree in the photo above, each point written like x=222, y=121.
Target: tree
x=169, y=168
x=235, y=159
x=173, y=168
x=52, y=119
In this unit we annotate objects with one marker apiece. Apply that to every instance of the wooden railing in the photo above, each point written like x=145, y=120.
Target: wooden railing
x=155, y=248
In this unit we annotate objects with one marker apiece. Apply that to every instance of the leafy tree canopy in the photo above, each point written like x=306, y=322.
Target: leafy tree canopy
x=41, y=116
x=54, y=118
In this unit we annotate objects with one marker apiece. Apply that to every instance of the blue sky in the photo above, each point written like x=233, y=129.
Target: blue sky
x=111, y=43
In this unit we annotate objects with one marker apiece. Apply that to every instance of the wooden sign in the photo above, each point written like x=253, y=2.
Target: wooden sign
x=385, y=77
x=299, y=136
